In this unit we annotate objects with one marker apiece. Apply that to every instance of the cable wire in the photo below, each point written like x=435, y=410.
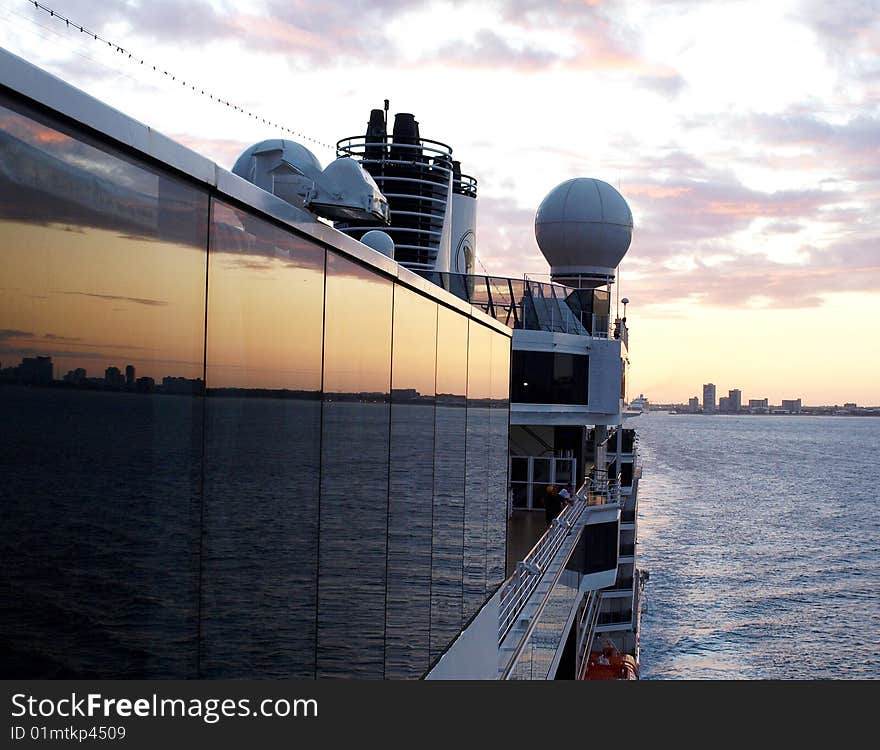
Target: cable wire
x=168, y=75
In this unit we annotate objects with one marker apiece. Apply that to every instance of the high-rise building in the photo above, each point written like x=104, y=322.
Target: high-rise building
x=114, y=377
x=734, y=400
x=693, y=405
x=724, y=404
x=709, y=397
x=129, y=375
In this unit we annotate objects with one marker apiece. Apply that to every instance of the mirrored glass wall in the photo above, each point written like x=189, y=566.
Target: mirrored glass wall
x=228, y=450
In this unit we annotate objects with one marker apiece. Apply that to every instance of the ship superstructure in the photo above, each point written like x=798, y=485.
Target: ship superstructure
x=573, y=584
x=245, y=443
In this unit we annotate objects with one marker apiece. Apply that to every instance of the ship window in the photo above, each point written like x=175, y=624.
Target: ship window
x=601, y=545
x=549, y=378
x=519, y=469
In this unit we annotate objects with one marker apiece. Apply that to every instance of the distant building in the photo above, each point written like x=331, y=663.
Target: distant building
x=35, y=370
x=129, y=376
x=724, y=404
x=851, y=406
x=759, y=405
x=182, y=385
x=734, y=400
x=793, y=405
x=693, y=405
x=709, y=397
x=77, y=376
x=113, y=377
x=145, y=385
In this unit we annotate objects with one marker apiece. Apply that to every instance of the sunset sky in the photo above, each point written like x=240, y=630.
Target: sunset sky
x=744, y=135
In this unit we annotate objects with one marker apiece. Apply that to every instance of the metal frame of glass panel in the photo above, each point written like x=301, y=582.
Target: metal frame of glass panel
x=535, y=487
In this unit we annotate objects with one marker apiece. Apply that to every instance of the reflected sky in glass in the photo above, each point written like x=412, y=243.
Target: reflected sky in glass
x=107, y=258
x=265, y=305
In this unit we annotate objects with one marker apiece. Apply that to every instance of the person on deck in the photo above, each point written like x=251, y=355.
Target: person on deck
x=552, y=503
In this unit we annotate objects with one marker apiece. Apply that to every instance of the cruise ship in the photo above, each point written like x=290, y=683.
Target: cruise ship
x=269, y=422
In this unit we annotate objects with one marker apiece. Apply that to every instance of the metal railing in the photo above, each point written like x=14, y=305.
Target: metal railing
x=600, y=491
x=527, y=574
x=586, y=631
x=416, y=178
x=517, y=303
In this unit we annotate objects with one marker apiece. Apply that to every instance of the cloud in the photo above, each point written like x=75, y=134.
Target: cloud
x=669, y=85
x=136, y=300
x=11, y=333
x=488, y=49
x=55, y=337
x=740, y=281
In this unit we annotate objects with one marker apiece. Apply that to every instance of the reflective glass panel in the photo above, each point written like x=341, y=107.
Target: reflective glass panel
x=102, y=312
x=354, y=471
x=408, y=615
x=477, y=467
x=259, y=580
x=499, y=420
x=449, y=471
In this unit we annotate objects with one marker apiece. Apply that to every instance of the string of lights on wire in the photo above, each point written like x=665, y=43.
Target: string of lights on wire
x=190, y=85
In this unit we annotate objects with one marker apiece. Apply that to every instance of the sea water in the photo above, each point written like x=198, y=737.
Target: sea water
x=760, y=534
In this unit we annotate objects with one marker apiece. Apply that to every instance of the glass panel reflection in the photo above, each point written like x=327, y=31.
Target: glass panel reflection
x=499, y=419
x=408, y=614
x=354, y=471
x=477, y=467
x=265, y=313
x=449, y=471
x=102, y=318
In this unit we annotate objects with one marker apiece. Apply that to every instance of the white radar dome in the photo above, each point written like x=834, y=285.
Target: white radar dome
x=379, y=241
x=584, y=226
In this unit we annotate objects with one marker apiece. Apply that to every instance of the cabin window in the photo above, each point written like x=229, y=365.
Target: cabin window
x=549, y=378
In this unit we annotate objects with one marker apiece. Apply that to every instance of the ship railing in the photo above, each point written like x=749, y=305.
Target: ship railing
x=600, y=491
x=527, y=574
x=586, y=632
x=517, y=303
x=357, y=146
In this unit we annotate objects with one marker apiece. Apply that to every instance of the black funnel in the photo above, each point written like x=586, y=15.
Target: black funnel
x=375, y=135
x=406, y=131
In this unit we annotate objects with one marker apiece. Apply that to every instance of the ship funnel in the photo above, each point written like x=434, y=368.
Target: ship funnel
x=376, y=136
x=432, y=204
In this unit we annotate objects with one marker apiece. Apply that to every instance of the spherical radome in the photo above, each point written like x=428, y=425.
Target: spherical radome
x=290, y=152
x=379, y=241
x=583, y=224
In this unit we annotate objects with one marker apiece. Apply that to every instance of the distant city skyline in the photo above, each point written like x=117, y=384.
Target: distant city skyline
x=749, y=401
